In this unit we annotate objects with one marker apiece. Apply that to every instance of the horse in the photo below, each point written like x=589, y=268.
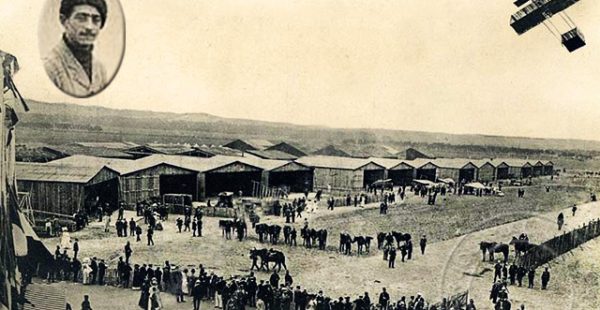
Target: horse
x=322, y=237
x=380, y=238
x=494, y=247
x=304, y=233
x=226, y=226
x=287, y=230
x=267, y=256
x=312, y=233
x=399, y=237
x=261, y=231
x=362, y=241
x=343, y=238
x=522, y=246
x=274, y=231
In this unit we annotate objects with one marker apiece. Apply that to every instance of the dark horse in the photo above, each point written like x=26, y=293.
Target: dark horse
x=268, y=256
x=363, y=241
x=522, y=246
x=261, y=230
x=494, y=247
x=380, y=239
x=400, y=237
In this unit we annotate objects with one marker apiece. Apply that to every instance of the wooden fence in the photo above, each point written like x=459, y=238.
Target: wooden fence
x=559, y=245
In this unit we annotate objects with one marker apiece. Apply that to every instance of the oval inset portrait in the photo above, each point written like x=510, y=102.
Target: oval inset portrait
x=82, y=43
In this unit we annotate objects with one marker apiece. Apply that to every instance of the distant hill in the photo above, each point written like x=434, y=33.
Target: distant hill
x=58, y=123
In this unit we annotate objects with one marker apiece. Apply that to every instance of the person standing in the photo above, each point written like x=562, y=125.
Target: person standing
x=288, y=279
x=155, y=303
x=423, y=244
x=497, y=271
x=75, y=248
x=274, y=279
x=471, y=305
x=392, y=258
x=194, y=227
x=531, y=277
x=94, y=272
x=197, y=294
x=179, y=223
x=150, y=234
x=128, y=252
x=107, y=224
x=545, y=278
x=86, y=305
x=560, y=220
x=101, y=272
x=132, y=227
x=512, y=272
x=384, y=299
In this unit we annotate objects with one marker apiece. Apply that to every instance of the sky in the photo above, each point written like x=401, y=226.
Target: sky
x=452, y=66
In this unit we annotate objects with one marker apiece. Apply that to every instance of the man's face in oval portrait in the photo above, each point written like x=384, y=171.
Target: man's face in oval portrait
x=82, y=25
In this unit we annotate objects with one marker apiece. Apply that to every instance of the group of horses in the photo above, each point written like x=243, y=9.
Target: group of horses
x=268, y=233
x=387, y=239
x=312, y=237
x=269, y=256
x=346, y=240
x=227, y=225
x=521, y=246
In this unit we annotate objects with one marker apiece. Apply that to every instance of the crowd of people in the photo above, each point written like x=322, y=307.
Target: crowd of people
x=237, y=291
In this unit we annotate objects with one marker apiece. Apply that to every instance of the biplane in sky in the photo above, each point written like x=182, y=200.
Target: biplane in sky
x=535, y=12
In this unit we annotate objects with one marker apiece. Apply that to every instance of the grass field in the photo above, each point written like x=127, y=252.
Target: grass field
x=438, y=273
x=456, y=216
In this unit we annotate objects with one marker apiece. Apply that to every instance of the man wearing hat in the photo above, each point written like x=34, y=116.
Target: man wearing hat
x=197, y=294
x=71, y=65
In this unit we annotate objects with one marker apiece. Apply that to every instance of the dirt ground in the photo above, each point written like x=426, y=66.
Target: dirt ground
x=444, y=270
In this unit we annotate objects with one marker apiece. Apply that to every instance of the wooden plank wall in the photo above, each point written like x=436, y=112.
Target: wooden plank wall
x=64, y=198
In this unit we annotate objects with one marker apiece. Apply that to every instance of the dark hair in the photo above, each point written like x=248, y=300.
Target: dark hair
x=66, y=7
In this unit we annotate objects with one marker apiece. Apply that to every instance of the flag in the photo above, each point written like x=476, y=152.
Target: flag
x=29, y=249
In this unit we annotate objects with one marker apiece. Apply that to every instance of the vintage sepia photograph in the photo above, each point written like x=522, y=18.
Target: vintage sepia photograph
x=82, y=43
x=300, y=155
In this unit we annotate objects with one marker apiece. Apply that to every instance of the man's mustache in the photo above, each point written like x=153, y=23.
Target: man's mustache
x=87, y=33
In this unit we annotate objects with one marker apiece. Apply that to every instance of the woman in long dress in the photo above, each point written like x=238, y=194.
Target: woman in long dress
x=184, y=282
x=154, y=303
x=85, y=268
x=144, y=295
x=107, y=224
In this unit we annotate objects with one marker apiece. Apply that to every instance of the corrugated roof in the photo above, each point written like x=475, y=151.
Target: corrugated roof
x=119, y=165
x=453, y=163
x=336, y=162
x=170, y=148
x=512, y=162
x=481, y=162
x=74, y=149
x=198, y=164
x=56, y=172
x=272, y=154
x=418, y=162
x=388, y=163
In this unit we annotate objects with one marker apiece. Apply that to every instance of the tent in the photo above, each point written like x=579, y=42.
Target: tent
x=476, y=185
x=448, y=181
